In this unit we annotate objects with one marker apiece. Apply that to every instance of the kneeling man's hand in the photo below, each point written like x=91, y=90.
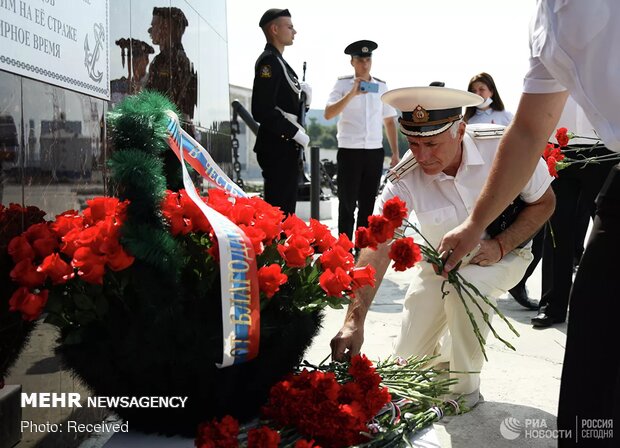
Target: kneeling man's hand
x=488, y=254
x=348, y=342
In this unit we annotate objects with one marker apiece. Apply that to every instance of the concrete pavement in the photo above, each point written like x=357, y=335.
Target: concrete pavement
x=520, y=388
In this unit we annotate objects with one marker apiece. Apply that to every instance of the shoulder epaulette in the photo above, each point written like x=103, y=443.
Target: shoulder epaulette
x=345, y=77
x=407, y=164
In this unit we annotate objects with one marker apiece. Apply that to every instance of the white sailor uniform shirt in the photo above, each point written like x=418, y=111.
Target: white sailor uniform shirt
x=442, y=202
x=579, y=60
x=360, y=125
x=492, y=116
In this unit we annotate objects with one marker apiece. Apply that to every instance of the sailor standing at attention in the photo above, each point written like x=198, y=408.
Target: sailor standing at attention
x=277, y=106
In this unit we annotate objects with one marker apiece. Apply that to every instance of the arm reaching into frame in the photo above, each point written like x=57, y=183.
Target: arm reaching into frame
x=517, y=156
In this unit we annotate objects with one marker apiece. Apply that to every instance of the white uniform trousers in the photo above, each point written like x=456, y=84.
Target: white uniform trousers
x=426, y=317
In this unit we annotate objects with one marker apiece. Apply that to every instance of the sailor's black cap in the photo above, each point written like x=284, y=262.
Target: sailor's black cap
x=361, y=48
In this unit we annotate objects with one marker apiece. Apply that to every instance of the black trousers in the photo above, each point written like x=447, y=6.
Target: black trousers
x=590, y=386
x=537, y=251
x=280, y=165
x=359, y=174
x=575, y=191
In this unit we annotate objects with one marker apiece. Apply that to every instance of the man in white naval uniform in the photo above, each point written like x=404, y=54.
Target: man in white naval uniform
x=360, y=136
x=447, y=167
x=574, y=49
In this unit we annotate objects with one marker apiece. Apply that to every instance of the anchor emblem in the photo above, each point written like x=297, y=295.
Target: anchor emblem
x=91, y=57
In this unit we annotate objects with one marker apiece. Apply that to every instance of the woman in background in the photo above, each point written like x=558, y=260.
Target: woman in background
x=492, y=110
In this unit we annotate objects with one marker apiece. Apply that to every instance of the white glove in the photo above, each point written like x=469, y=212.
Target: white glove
x=305, y=87
x=302, y=138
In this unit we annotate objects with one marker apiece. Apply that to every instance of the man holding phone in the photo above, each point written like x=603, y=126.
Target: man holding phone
x=357, y=99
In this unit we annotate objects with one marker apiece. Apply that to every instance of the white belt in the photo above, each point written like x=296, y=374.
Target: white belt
x=290, y=117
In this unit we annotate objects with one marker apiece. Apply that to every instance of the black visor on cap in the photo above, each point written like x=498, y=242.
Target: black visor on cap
x=271, y=14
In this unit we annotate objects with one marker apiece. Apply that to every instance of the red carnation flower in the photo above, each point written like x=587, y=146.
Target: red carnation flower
x=558, y=154
x=57, y=269
x=270, y=226
x=405, y=253
x=25, y=274
x=29, y=304
x=337, y=257
x=172, y=211
x=99, y=208
x=334, y=282
x=344, y=242
x=548, y=150
x=222, y=434
x=293, y=225
x=67, y=221
x=242, y=214
x=219, y=200
x=380, y=228
x=20, y=249
x=256, y=236
x=270, y=278
x=363, y=276
x=395, y=211
x=267, y=218
x=551, y=166
x=561, y=135
x=191, y=211
x=295, y=251
x=91, y=266
x=363, y=238
x=263, y=437
x=42, y=239
x=323, y=238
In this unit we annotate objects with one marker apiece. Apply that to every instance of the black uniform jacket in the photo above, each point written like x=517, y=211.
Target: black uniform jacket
x=275, y=84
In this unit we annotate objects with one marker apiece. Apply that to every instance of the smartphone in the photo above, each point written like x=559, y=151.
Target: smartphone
x=371, y=87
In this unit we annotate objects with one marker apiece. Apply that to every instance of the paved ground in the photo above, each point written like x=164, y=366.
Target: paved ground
x=521, y=385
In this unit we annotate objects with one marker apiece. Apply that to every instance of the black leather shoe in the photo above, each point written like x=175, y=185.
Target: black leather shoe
x=519, y=293
x=544, y=320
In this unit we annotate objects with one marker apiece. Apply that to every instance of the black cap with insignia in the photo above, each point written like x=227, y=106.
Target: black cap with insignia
x=361, y=48
x=271, y=14
x=428, y=111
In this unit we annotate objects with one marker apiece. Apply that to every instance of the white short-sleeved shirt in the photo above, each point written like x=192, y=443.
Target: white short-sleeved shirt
x=442, y=202
x=360, y=125
x=491, y=116
x=575, y=46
